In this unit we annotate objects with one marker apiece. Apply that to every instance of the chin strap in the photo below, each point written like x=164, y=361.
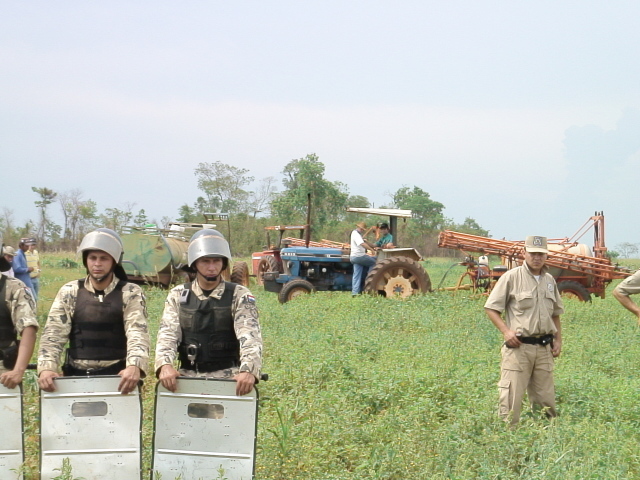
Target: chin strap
x=211, y=278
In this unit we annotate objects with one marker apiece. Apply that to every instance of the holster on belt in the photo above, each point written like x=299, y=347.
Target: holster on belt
x=9, y=355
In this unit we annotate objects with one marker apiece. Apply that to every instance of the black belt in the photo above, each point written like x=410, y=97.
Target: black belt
x=210, y=366
x=543, y=340
x=70, y=371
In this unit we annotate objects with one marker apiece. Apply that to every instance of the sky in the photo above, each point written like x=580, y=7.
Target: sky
x=524, y=116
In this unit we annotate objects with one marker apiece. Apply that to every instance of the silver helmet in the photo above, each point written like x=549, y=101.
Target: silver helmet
x=108, y=241
x=103, y=239
x=208, y=243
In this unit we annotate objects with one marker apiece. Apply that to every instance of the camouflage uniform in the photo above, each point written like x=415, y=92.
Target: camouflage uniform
x=22, y=307
x=56, y=331
x=246, y=325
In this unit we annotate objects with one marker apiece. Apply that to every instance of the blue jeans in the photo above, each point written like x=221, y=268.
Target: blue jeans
x=361, y=266
x=36, y=288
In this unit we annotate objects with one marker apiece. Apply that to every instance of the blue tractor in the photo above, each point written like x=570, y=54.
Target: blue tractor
x=397, y=272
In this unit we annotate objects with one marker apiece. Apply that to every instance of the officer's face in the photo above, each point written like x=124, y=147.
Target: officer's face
x=209, y=267
x=99, y=264
x=535, y=261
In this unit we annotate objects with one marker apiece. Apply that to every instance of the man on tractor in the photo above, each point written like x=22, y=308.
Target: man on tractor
x=359, y=258
x=209, y=325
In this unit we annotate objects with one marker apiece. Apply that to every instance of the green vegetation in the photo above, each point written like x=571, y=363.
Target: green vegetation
x=370, y=388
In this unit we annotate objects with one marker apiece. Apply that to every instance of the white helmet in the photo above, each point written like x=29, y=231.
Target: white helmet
x=103, y=239
x=108, y=241
x=208, y=243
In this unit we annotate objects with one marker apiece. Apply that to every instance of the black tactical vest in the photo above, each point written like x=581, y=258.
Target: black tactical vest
x=209, y=340
x=97, y=327
x=8, y=334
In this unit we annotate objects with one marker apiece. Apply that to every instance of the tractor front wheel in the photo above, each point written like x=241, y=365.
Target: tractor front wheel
x=397, y=277
x=293, y=289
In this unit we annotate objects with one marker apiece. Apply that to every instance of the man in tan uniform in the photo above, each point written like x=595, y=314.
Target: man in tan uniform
x=17, y=318
x=103, y=317
x=629, y=286
x=529, y=299
x=209, y=325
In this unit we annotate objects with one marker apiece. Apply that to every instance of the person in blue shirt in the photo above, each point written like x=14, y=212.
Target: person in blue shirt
x=21, y=269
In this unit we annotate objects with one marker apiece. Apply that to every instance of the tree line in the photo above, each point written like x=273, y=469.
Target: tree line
x=226, y=188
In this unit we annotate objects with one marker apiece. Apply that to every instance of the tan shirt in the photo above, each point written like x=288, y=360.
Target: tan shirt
x=630, y=285
x=58, y=327
x=33, y=260
x=529, y=305
x=245, y=319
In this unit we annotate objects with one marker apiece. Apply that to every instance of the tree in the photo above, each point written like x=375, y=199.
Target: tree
x=427, y=213
x=222, y=185
x=469, y=226
x=627, y=249
x=79, y=216
x=260, y=200
x=115, y=219
x=47, y=197
x=302, y=177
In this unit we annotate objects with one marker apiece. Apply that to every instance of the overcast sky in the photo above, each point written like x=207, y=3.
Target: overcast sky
x=522, y=115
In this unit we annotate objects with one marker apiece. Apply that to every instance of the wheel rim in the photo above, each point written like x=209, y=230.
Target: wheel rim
x=296, y=292
x=399, y=287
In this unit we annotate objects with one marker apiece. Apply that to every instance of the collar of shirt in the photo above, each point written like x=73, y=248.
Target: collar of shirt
x=89, y=286
x=543, y=270
x=217, y=292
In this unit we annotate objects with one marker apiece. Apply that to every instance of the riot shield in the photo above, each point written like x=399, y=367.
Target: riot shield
x=90, y=430
x=11, y=440
x=204, y=431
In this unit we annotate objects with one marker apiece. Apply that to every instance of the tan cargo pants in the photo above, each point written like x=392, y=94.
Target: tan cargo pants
x=526, y=368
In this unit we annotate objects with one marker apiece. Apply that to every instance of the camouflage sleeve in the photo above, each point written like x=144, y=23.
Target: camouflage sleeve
x=21, y=305
x=247, y=326
x=56, y=331
x=136, y=327
x=169, y=333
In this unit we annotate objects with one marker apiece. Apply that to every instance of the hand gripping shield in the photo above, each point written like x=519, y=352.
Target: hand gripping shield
x=11, y=440
x=204, y=430
x=87, y=421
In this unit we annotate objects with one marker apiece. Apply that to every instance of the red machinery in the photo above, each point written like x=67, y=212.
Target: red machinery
x=578, y=271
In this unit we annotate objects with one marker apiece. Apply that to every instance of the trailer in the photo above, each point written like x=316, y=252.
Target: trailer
x=579, y=271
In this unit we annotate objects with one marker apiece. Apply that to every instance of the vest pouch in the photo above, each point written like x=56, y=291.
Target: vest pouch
x=10, y=355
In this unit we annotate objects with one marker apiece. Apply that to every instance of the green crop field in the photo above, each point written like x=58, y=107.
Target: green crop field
x=370, y=388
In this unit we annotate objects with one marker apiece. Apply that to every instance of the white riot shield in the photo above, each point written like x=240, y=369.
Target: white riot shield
x=204, y=431
x=87, y=421
x=11, y=439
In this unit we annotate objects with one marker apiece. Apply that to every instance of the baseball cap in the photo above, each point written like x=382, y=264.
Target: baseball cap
x=536, y=244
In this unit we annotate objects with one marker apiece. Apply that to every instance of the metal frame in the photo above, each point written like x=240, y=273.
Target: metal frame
x=202, y=428
x=93, y=425
x=12, y=438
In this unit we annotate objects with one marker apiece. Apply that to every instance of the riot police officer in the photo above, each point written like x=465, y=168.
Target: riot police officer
x=17, y=318
x=103, y=317
x=209, y=325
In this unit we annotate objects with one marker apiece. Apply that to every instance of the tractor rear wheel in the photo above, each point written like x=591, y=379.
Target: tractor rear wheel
x=268, y=263
x=295, y=288
x=240, y=273
x=397, y=277
x=571, y=289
